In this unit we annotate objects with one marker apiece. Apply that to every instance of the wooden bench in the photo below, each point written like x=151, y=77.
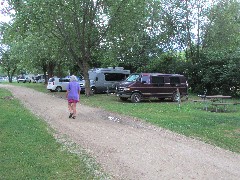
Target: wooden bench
x=202, y=101
x=199, y=100
x=224, y=105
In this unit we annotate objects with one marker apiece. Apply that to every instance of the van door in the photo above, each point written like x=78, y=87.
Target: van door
x=158, y=86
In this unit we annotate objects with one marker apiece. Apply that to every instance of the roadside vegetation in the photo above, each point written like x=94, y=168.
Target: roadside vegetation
x=29, y=150
x=221, y=129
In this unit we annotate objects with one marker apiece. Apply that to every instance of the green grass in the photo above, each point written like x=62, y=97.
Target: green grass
x=37, y=86
x=29, y=150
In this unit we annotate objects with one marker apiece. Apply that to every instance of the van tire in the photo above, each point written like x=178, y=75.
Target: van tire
x=123, y=98
x=136, y=97
x=176, y=97
x=58, y=89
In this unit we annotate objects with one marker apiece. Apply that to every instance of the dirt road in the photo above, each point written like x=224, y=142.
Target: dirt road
x=128, y=148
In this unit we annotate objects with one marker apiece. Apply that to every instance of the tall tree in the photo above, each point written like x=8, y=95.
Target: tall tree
x=222, y=30
x=81, y=25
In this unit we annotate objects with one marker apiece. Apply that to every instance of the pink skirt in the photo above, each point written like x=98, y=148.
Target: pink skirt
x=72, y=101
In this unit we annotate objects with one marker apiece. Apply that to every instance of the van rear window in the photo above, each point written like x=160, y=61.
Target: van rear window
x=64, y=80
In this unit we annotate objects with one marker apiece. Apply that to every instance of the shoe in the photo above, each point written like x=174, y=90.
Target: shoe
x=71, y=114
x=74, y=117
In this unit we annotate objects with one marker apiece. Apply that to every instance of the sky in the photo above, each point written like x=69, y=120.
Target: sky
x=3, y=16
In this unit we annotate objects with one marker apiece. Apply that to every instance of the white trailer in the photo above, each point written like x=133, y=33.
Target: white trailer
x=105, y=79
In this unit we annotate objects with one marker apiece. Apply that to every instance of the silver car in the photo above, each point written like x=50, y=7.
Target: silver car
x=24, y=79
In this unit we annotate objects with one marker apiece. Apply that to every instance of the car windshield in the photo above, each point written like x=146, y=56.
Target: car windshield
x=132, y=77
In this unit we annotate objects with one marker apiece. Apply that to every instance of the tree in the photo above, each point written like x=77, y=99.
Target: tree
x=81, y=26
x=222, y=30
x=8, y=64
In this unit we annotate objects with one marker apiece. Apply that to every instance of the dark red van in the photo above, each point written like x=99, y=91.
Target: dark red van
x=140, y=86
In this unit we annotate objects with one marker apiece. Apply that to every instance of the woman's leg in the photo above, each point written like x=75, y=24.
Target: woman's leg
x=74, y=105
x=70, y=107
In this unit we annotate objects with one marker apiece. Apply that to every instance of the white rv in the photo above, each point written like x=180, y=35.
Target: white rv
x=105, y=78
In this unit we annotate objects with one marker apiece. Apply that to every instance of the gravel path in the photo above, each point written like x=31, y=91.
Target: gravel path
x=128, y=148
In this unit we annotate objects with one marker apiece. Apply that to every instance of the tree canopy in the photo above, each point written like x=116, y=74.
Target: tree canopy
x=197, y=38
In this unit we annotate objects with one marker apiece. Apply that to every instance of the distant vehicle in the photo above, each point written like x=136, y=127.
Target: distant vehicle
x=24, y=79
x=58, y=84
x=139, y=86
x=104, y=79
x=2, y=79
x=82, y=85
x=39, y=79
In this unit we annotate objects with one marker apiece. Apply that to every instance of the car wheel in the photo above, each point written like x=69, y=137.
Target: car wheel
x=58, y=89
x=176, y=97
x=123, y=98
x=136, y=97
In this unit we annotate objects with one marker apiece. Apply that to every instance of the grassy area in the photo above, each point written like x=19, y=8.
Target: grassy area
x=220, y=129
x=37, y=86
x=29, y=150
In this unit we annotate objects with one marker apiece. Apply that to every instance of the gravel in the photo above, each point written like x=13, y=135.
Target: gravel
x=128, y=148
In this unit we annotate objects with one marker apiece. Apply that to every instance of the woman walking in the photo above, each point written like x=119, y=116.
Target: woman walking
x=73, y=95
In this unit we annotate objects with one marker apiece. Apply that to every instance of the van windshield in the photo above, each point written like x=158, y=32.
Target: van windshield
x=132, y=77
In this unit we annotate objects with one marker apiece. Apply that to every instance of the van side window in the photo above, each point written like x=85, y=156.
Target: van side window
x=174, y=81
x=114, y=76
x=158, y=80
x=145, y=79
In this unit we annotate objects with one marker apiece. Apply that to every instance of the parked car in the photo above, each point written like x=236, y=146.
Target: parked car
x=139, y=86
x=58, y=84
x=24, y=79
x=39, y=79
x=2, y=79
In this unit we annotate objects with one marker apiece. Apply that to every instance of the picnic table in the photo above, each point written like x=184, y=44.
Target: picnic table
x=216, y=101
x=219, y=100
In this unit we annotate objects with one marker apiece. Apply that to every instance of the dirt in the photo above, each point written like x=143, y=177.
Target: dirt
x=128, y=148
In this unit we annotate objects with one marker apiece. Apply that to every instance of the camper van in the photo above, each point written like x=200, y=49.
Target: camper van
x=104, y=79
x=140, y=86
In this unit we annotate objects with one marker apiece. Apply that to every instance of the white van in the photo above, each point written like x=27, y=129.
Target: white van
x=58, y=84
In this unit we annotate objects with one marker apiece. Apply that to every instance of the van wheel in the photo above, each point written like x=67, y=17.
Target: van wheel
x=123, y=98
x=58, y=89
x=176, y=97
x=136, y=97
